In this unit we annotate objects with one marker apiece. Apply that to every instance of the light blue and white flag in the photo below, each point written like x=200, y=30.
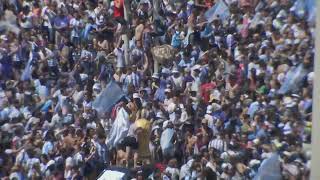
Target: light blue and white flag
x=220, y=9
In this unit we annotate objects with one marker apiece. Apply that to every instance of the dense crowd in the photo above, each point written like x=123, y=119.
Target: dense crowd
x=84, y=89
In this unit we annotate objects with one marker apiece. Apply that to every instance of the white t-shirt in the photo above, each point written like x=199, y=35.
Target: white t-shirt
x=120, y=57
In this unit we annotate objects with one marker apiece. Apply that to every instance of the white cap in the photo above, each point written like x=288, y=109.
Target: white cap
x=135, y=95
x=159, y=114
x=175, y=70
x=254, y=162
x=251, y=45
x=165, y=124
x=155, y=75
x=4, y=37
x=97, y=86
x=226, y=165
x=310, y=76
x=51, y=162
x=196, y=67
x=165, y=71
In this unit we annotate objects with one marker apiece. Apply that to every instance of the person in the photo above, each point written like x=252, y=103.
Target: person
x=167, y=140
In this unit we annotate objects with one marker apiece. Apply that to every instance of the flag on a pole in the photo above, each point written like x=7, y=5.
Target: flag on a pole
x=119, y=128
x=108, y=98
x=27, y=72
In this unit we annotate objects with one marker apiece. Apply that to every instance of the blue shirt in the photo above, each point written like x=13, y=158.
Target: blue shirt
x=61, y=22
x=176, y=41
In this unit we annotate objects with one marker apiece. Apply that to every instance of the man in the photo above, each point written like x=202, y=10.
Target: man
x=102, y=152
x=167, y=140
x=177, y=79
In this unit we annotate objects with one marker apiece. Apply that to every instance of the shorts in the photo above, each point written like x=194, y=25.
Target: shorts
x=130, y=142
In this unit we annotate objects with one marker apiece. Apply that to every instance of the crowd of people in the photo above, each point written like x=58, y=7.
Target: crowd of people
x=233, y=102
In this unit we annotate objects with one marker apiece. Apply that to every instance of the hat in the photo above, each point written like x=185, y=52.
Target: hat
x=175, y=70
x=4, y=37
x=96, y=86
x=83, y=77
x=289, y=102
x=251, y=45
x=296, y=41
x=254, y=162
x=282, y=14
x=165, y=124
x=155, y=127
x=165, y=71
x=263, y=57
x=135, y=95
x=159, y=115
x=34, y=120
x=226, y=165
x=155, y=75
x=51, y=162
x=91, y=126
x=196, y=67
x=167, y=90
x=310, y=76
x=295, y=96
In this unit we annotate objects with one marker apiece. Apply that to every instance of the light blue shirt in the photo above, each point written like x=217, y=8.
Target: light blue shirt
x=253, y=108
x=47, y=147
x=176, y=41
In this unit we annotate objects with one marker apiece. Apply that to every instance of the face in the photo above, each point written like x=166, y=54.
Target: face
x=307, y=60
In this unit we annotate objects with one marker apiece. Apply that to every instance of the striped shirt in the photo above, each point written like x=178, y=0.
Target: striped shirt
x=218, y=144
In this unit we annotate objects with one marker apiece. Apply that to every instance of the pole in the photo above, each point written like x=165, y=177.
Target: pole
x=156, y=7
x=155, y=14
x=125, y=38
x=315, y=157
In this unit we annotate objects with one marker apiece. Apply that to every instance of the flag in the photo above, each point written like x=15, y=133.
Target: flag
x=26, y=74
x=299, y=8
x=219, y=9
x=311, y=9
x=269, y=169
x=108, y=98
x=119, y=129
